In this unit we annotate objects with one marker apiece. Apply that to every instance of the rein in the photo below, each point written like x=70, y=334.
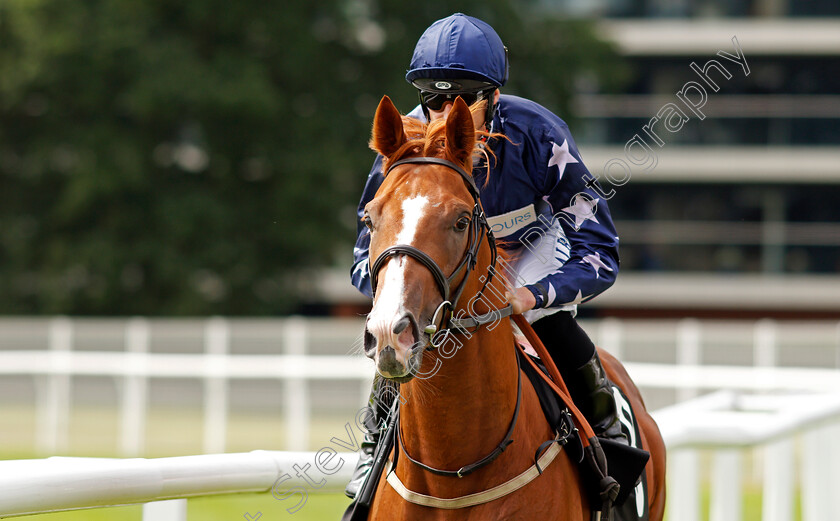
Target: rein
x=479, y=229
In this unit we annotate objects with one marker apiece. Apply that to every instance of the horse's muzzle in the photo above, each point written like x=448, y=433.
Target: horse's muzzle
x=394, y=347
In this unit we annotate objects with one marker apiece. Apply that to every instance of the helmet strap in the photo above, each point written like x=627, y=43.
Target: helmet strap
x=491, y=111
x=424, y=107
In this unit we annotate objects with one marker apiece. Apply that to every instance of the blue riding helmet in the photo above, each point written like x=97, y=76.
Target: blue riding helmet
x=458, y=47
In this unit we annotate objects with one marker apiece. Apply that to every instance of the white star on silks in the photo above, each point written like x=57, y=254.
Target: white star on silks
x=596, y=262
x=583, y=209
x=579, y=298
x=561, y=156
x=362, y=267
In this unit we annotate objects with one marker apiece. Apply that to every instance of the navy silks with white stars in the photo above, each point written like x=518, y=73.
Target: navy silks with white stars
x=538, y=177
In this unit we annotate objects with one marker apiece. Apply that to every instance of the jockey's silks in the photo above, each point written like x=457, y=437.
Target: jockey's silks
x=540, y=201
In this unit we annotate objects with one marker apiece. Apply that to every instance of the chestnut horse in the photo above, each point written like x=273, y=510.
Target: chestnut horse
x=428, y=246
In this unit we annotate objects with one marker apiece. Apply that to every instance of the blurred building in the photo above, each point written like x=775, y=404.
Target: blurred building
x=734, y=210
x=737, y=210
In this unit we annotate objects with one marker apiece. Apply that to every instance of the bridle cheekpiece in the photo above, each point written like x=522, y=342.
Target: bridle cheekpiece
x=479, y=228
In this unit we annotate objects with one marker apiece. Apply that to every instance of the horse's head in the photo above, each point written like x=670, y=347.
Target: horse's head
x=423, y=231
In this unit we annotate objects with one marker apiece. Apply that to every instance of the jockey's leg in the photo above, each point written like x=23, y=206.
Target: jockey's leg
x=379, y=404
x=570, y=347
x=580, y=366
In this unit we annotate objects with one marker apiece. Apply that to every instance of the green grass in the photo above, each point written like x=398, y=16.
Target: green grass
x=318, y=507
x=94, y=432
x=751, y=506
x=220, y=508
x=131, y=513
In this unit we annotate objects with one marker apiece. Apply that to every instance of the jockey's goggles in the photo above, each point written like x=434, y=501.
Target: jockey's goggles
x=434, y=93
x=436, y=100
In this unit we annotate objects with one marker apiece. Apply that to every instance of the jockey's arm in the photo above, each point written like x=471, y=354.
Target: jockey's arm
x=585, y=219
x=359, y=273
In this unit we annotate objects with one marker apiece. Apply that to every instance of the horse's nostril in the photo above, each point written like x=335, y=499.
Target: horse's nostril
x=401, y=324
x=370, y=342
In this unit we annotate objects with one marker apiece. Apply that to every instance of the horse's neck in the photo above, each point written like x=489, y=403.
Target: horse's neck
x=463, y=411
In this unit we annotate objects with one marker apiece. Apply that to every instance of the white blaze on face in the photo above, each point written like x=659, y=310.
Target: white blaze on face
x=389, y=299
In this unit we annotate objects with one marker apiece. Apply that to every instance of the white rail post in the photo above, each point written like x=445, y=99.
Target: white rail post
x=134, y=389
x=216, y=346
x=169, y=510
x=610, y=333
x=54, y=399
x=820, y=456
x=765, y=353
x=726, y=485
x=688, y=352
x=684, y=478
x=297, y=397
x=837, y=347
x=833, y=433
x=683, y=485
x=777, y=500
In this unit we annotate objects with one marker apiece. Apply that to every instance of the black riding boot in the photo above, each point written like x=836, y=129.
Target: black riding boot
x=598, y=402
x=366, y=450
x=377, y=411
x=577, y=359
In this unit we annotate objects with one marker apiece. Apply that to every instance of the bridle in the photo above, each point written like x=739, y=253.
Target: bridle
x=479, y=229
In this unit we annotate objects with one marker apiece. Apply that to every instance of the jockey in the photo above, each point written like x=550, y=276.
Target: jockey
x=540, y=201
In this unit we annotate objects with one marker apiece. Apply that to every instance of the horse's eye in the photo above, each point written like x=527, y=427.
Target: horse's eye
x=462, y=224
x=368, y=222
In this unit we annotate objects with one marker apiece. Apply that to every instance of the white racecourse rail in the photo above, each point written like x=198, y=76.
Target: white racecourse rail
x=757, y=405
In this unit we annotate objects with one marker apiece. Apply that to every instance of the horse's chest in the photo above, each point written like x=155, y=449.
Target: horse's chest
x=555, y=496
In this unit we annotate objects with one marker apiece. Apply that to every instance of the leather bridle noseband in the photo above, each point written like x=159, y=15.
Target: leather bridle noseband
x=479, y=228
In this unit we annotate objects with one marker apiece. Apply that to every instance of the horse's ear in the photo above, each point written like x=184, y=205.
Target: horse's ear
x=460, y=132
x=388, y=133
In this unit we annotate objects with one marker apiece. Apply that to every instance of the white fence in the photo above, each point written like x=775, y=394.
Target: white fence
x=57, y=483
x=697, y=423
x=663, y=357
x=215, y=366
x=767, y=426
x=725, y=421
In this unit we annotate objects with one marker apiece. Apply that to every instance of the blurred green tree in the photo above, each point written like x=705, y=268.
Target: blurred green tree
x=175, y=158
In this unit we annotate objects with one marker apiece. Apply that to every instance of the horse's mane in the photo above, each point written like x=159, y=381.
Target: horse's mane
x=429, y=140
